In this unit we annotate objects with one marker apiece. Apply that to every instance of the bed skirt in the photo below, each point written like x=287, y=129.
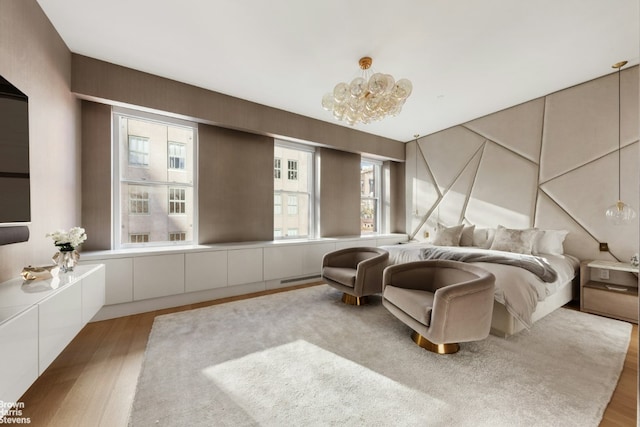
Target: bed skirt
x=503, y=324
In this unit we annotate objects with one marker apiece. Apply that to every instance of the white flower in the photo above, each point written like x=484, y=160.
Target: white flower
x=74, y=237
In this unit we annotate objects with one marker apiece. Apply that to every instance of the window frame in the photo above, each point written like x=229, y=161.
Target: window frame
x=181, y=233
x=312, y=190
x=173, y=202
x=277, y=168
x=143, y=235
x=377, y=194
x=182, y=157
x=144, y=153
x=116, y=232
x=143, y=200
x=292, y=172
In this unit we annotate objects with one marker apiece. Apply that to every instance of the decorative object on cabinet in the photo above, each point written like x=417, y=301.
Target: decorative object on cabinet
x=635, y=260
x=620, y=213
x=30, y=273
x=609, y=289
x=67, y=241
x=368, y=98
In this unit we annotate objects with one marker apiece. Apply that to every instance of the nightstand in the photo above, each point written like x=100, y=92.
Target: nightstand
x=609, y=289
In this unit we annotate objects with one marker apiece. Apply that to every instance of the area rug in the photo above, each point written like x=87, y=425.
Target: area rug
x=303, y=358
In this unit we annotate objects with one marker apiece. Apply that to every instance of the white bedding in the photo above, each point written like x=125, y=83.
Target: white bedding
x=517, y=289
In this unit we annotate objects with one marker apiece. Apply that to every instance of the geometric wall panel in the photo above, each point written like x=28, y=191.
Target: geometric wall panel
x=448, y=152
x=486, y=172
x=579, y=242
x=519, y=128
x=421, y=192
x=451, y=208
x=504, y=191
x=581, y=123
x=587, y=192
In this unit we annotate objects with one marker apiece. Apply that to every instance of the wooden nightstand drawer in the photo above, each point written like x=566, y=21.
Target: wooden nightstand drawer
x=597, y=298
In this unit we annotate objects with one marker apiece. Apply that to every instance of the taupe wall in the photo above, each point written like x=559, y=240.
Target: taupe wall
x=100, y=80
x=34, y=59
x=235, y=186
x=397, y=200
x=235, y=166
x=551, y=163
x=96, y=175
x=339, y=193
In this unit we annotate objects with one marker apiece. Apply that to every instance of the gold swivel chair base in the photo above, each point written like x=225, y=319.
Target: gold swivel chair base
x=353, y=300
x=435, y=348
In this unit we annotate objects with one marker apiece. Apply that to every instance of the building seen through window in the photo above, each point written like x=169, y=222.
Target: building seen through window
x=155, y=198
x=293, y=193
x=369, y=196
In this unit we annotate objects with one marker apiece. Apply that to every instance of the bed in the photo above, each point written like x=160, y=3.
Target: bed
x=523, y=295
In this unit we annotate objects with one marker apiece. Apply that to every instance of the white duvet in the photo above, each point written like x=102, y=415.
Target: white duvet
x=516, y=288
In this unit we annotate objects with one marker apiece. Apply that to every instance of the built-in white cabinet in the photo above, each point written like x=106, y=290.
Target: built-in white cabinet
x=285, y=261
x=93, y=294
x=282, y=261
x=312, y=259
x=19, y=356
x=158, y=276
x=60, y=319
x=38, y=319
x=205, y=270
x=148, y=279
x=119, y=280
x=244, y=266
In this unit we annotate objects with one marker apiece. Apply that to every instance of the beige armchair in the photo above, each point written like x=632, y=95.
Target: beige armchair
x=357, y=272
x=444, y=302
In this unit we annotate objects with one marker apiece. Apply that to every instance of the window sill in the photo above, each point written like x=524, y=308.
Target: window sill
x=167, y=250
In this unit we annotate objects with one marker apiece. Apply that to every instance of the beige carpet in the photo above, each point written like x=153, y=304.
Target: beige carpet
x=302, y=358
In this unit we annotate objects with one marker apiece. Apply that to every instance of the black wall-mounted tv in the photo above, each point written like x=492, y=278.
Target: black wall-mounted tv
x=15, y=208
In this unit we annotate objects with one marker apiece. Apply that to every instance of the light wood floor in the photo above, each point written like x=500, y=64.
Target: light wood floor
x=93, y=381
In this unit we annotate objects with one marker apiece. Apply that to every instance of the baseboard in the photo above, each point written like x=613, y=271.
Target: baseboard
x=143, y=306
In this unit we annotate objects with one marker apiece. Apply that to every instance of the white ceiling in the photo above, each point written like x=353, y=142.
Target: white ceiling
x=465, y=58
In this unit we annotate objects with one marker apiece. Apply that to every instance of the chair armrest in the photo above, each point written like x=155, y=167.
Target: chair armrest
x=463, y=311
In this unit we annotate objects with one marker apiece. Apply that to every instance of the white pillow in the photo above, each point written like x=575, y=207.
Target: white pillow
x=466, y=238
x=550, y=242
x=516, y=241
x=448, y=236
x=483, y=237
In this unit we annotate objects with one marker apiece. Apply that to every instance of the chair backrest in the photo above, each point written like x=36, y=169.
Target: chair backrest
x=351, y=257
x=437, y=273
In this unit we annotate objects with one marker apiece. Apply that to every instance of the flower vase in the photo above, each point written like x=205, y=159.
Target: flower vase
x=66, y=259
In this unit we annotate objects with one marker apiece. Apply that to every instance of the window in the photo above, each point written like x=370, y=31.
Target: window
x=138, y=200
x=292, y=170
x=177, y=201
x=158, y=199
x=177, y=155
x=292, y=205
x=297, y=217
x=369, y=196
x=139, y=238
x=177, y=236
x=277, y=168
x=138, y=151
x=277, y=204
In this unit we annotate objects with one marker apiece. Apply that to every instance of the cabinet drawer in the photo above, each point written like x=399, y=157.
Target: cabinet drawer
x=622, y=305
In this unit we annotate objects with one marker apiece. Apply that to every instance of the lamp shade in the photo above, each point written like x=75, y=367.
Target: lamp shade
x=620, y=213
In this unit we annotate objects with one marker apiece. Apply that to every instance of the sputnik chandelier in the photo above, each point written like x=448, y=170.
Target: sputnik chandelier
x=367, y=98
